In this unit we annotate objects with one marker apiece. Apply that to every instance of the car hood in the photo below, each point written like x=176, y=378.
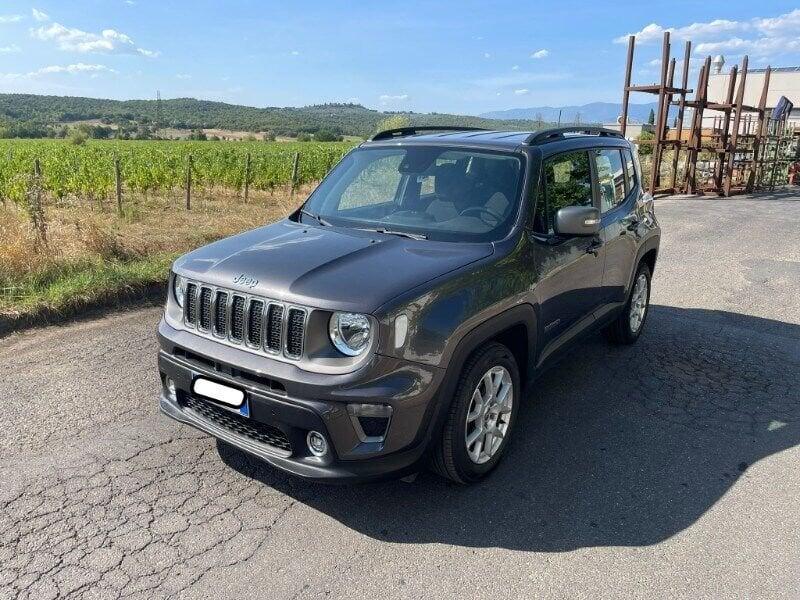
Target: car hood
x=325, y=267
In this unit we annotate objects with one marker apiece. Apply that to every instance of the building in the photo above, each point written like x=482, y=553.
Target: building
x=784, y=81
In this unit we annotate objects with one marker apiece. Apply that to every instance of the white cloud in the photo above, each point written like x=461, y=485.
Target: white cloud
x=522, y=92
x=515, y=68
x=762, y=36
x=12, y=49
x=69, y=69
x=108, y=41
x=183, y=76
x=384, y=98
x=10, y=18
x=295, y=53
x=543, y=53
x=487, y=55
x=40, y=16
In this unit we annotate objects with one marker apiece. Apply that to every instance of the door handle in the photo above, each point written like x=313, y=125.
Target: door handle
x=594, y=247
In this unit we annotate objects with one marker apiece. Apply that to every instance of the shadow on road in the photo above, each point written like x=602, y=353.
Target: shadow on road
x=616, y=446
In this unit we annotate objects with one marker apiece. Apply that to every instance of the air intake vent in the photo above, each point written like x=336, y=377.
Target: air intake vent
x=191, y=303
x=237, y=318
x=295, y=332
x=255, y=320
x=272, y=340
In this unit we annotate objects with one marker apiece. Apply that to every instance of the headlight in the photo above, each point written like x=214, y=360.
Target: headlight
x=350, y=332
x=179, y=289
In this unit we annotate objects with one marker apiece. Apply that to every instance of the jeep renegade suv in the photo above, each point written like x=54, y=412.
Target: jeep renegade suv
x=396, y=318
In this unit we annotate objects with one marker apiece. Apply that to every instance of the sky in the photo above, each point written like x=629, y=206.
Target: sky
x=463, y=57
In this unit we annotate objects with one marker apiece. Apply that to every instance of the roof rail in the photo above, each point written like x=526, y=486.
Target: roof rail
x=413, y=130
x=557, y=133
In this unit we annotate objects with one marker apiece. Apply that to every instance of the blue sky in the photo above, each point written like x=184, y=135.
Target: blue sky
x=463, y=57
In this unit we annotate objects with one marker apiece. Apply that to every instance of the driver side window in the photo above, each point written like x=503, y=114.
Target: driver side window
x=566, y=181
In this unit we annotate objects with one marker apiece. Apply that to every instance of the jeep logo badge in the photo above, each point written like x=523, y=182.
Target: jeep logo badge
x=245, y=280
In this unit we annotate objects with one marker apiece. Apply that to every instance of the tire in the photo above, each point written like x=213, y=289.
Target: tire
x=452, y=458
x=623, y=330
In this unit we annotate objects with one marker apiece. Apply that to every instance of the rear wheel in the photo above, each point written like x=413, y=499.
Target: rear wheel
x=628, y=326
x=481, y=416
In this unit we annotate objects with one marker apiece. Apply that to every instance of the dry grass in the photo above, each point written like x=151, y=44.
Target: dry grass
x=91, y=251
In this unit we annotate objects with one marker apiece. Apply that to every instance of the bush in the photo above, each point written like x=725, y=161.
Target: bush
x=327, y=135
x=78, y=137
x=303, y=137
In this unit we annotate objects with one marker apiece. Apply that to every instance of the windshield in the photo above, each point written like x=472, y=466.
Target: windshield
x=441, y=193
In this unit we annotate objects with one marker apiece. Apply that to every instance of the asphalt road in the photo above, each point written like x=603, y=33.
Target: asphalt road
x=671, y=468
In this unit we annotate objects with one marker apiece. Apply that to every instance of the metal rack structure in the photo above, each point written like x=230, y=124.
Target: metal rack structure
x=743, y=149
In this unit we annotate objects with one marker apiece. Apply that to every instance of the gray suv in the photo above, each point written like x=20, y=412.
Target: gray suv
x=399, y=317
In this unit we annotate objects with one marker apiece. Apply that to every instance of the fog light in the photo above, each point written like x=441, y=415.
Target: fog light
x=172, y=391
x=317, y=444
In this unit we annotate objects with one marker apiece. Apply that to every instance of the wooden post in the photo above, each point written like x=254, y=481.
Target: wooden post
x=247, y=178
x=626, y=92
x=35, y=205
x=295, y=165
x=118, y=182
x=189, y=183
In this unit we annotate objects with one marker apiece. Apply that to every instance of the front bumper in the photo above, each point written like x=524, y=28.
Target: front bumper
x=288, y=402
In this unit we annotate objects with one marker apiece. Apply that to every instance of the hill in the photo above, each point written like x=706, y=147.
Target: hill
x=189, y=113
x=595, y=112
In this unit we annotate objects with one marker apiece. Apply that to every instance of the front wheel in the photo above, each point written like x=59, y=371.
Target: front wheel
x=630, y=322
x=481, y=416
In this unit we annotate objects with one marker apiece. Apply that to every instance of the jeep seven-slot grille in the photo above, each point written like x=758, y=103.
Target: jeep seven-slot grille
x=295, y=332
x=272, y=341
x=221, y=314
x=256, y=431
x=205, y=308
x=235, y=318
x=255, y=319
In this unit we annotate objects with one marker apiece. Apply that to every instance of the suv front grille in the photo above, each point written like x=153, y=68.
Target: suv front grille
x=241, y=319
x=258, y=432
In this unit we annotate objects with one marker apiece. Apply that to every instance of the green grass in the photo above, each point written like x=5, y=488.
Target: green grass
x=67, y=287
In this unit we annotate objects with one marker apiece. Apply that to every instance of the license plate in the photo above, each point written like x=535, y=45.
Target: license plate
x=219, y=392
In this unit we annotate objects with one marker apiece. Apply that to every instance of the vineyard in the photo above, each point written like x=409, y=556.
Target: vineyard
x=88, y=171
x=81, y=224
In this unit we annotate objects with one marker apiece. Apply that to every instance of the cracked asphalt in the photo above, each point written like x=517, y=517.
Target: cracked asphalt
x=671, y=468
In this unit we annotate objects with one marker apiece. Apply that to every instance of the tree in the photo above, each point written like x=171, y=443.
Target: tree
x=539, y=120
x=327, y=135
x=303, y=137
x=645, y=149
x=652, y=118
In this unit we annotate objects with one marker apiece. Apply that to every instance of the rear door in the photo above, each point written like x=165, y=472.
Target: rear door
x=618, y=189
x=569, y=269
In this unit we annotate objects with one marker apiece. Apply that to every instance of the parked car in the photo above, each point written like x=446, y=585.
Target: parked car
x=400, y=316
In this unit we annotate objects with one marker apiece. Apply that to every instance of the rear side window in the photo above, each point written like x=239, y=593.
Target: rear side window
x=566, y=181
x=610, y=177
x=630, y=169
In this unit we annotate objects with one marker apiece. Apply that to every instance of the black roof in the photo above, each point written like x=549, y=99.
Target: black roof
x=486, y=138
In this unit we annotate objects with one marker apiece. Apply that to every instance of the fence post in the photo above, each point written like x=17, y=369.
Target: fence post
x=247, y=178
x=189, y=183
x=118, y=182
x=294, y=171
x=35, y=204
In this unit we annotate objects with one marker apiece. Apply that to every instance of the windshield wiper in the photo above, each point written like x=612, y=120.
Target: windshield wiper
x=317, y=218
x=413, y=236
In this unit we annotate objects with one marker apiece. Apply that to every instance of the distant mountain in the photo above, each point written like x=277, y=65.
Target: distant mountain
x=595, y=112
x=189, y=113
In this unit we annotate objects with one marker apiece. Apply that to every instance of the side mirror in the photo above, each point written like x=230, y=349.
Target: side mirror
x=578, y=220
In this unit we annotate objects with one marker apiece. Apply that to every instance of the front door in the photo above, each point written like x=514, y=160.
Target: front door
x=569, y=270
x=617, y=183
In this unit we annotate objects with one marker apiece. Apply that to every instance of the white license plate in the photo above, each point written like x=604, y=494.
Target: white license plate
x=217, y=391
